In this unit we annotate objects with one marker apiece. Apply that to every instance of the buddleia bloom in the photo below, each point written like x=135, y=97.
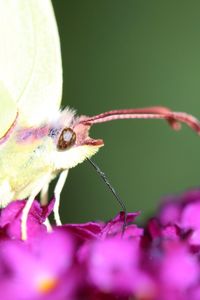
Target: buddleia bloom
x=97, y=260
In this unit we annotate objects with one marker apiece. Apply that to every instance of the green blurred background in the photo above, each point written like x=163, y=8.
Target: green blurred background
x=128, y=54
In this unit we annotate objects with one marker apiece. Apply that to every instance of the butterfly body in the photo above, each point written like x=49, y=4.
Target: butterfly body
x=31, y=153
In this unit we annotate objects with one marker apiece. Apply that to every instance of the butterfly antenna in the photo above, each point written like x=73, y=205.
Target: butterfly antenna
x=112, y=190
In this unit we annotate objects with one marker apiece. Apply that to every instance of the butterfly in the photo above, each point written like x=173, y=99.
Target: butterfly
x=38, y=141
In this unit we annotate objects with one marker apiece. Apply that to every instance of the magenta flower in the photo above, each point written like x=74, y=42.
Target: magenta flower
x=94, y=261
x=179, y=267
x=34, y=272
x=10, y=219
x=114, y=267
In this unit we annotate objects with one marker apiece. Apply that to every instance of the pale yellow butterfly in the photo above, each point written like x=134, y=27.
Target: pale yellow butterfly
x=37, y=140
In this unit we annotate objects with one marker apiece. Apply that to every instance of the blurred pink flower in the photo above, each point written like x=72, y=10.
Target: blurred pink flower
x=94, y=261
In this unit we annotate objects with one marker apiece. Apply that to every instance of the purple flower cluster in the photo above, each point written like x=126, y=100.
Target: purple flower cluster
x=93, y=261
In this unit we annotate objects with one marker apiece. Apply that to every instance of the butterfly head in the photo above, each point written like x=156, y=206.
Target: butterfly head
x=73, y=144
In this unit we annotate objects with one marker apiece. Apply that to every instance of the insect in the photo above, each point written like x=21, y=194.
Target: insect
x=38, y=141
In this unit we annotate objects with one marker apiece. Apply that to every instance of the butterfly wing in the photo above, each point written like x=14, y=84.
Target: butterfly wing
x=30, y=61
x=8, y=112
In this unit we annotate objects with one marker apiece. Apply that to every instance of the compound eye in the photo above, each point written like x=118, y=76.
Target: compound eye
x=67, y=139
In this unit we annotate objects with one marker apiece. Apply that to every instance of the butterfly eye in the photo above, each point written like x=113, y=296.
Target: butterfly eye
x=67, y=139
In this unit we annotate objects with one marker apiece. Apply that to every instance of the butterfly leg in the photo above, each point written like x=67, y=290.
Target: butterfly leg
x=48, y=225
x=28, y=205
x=44, y=202
x=44, y=195
x=58, y=189
x=5, y=193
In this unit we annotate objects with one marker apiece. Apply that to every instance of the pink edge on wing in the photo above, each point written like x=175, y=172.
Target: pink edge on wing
x=29, y=135
x=4, y=138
